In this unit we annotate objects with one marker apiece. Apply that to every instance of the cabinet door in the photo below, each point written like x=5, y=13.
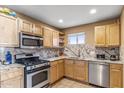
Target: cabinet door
x=69, y=68
x=116, y=74
x=55, y=39
x=100, y=35
x=47, y=37
x=60, y=68
x=114, y=35
x=37, y=29
x=53, y=72
x=9, y=33
x=25, y=26
x=80, y=70
x=16, y=82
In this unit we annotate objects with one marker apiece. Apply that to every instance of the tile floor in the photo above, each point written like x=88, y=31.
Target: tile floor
x=67, y=83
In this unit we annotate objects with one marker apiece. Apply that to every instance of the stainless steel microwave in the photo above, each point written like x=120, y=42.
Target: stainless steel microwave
x=30, y=41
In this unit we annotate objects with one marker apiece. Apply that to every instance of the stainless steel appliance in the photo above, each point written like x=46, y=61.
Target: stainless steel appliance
x=30, y=41
x=99, y=73
x=36, y=71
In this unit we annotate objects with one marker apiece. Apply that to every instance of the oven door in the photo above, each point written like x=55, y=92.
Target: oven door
x=30, y=41
x=38, y=79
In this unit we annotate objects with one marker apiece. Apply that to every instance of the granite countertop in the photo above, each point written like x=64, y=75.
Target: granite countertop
x=14, y=65
x=85, y=59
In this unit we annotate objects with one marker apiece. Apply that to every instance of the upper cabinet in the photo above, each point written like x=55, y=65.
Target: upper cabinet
x=30, y=27
x=25, y=26
x=37, y=29
x=47, y=37
x=113, y=35
x=55, y=38
x=51, y=37
x=8, y=31
x=100, y=35
x=107, y=35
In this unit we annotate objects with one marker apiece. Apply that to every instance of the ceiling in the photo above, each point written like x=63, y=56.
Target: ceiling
x=72, y=15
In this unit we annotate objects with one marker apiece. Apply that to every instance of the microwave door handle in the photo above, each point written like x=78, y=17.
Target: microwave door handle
x=30, y=37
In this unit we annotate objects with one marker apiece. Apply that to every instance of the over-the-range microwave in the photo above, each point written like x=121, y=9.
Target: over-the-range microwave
x=30, y=41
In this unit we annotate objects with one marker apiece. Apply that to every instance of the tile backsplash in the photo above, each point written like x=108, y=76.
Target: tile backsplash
x=108, y=51
x=84, y=51
x=89, y=51
x=42, y=53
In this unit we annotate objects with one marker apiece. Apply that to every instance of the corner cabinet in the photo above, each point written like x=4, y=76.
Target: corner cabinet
x=69, y=68
x=107, y=35
x=76, y=69
x=81, y=70
x=8, y=31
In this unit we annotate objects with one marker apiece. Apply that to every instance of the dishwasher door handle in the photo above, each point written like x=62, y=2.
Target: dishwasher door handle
x=98, y=63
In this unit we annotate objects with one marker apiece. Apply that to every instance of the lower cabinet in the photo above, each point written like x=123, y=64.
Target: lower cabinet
x=81, y=70
x=56, y=70
x=69, y=68
x=12, y=78
x=116, y=75
x=16, y=82
x=53, y=72
x=76, y=70
x=60, y=68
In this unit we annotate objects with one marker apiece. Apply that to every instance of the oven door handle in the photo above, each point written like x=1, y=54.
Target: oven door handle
x=31, y=74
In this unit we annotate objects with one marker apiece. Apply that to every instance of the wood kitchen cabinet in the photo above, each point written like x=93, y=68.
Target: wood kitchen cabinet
x=116, y=75
x=12, y=78
x=25, y=25
x=37, y=29
x=81, y=70
x=55, y=35
x=107, y=35
x=56, y=70
x=100, y=35
x=47, y=37
x=8, y=29
x=69, y=68
x=53, y=72
x=113, y=33
x=60, y=69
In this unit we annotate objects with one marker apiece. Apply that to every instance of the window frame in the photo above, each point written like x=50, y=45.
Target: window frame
x=76, y=35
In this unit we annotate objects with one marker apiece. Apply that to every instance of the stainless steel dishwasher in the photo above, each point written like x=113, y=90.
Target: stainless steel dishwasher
x=99, y=74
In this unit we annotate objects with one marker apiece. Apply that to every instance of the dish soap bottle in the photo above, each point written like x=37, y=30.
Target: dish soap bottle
x=8, y=57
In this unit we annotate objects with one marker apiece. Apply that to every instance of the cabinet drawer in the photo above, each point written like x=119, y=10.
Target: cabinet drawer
x=60, y=61
x=11, y=73
x=116, y=66
x=79, y=63
x=69, y=61
x=53, y=63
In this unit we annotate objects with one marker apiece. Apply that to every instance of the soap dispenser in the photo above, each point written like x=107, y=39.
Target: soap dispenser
x=8, y=57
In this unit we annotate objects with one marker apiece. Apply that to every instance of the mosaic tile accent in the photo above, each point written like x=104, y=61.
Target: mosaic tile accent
x=89, y=51
x=42, y=53
x=108, y=51
x=122, y=53
x=84, y=51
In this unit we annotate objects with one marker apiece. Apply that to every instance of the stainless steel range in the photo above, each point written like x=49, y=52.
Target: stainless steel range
x=36, y=71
